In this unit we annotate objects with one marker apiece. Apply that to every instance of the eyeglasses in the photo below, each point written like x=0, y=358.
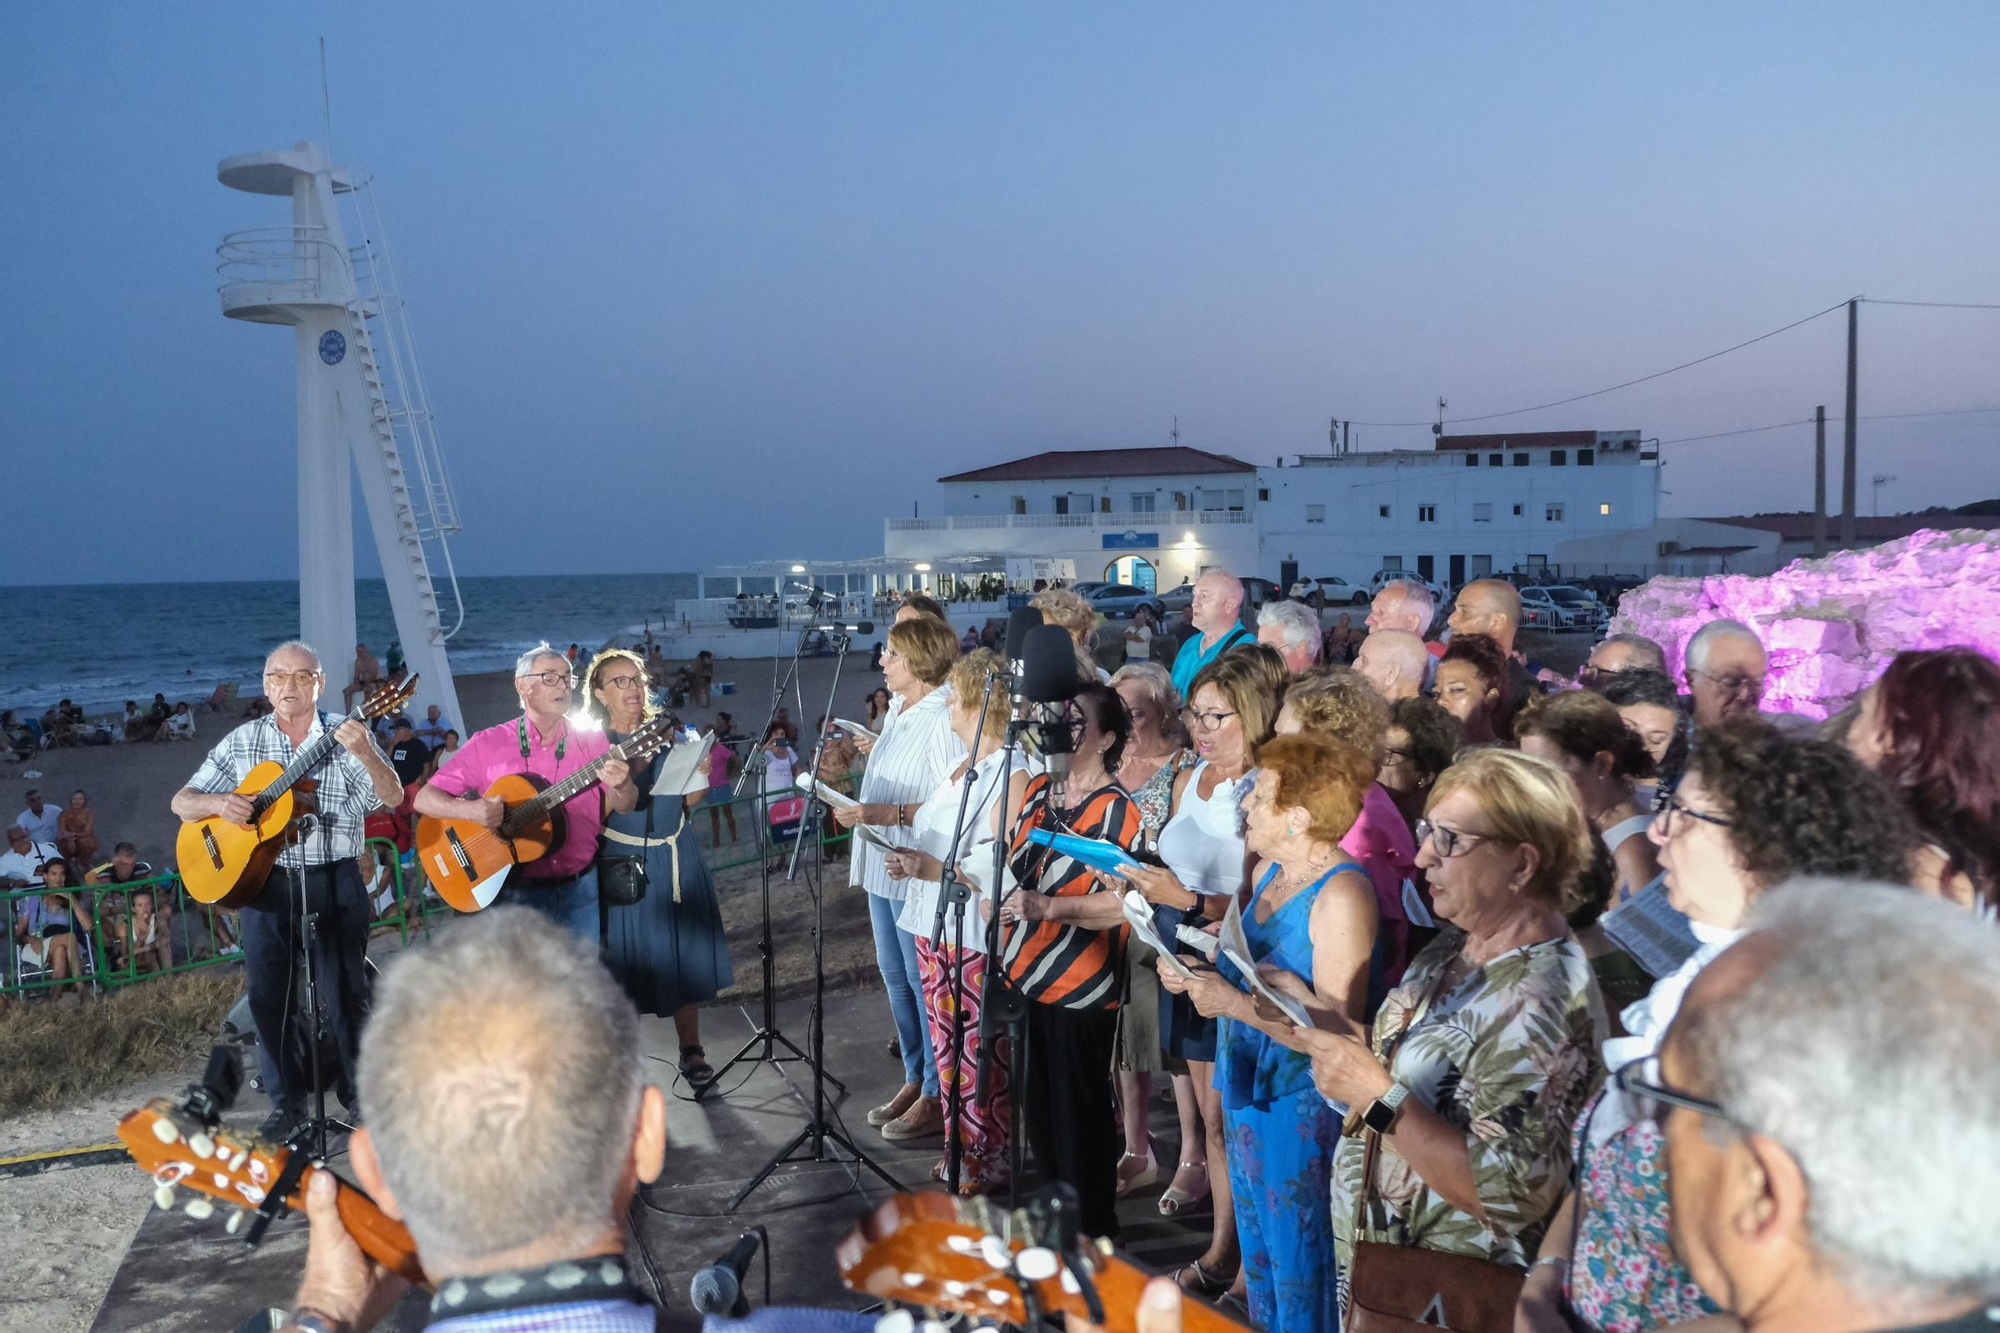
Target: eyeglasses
x=1670, y=806
x=1643, y=1082
x=1204, y=721
x=624, y=682
x=1394, y=756
x=1589, y=671
x=1448, y=841
x=1732, y=684
x=550, y=677
x=302, y=679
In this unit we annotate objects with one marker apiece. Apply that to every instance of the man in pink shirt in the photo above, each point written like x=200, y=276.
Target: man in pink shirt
x=542, y=741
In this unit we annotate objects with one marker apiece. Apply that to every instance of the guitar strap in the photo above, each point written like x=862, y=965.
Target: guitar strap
x=521, y=733
x=566, y=1282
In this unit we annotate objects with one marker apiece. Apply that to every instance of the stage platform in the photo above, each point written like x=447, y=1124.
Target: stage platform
x=183, y=1275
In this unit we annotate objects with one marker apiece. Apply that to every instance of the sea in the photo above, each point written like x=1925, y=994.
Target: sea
x=103, y=643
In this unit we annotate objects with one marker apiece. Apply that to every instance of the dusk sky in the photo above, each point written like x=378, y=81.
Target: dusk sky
x=722, y=282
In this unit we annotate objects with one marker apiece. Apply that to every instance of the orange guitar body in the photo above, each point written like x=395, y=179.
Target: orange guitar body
x=468, y=863
x=225, y=864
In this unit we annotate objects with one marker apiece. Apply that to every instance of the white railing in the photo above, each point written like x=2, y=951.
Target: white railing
x=280, y=265
x=765, y=611
x=1115, y=522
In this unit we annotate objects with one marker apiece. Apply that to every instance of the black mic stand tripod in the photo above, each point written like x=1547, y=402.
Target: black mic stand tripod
x=817, y=1130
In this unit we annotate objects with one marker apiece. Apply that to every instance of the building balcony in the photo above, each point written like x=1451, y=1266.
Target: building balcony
x=1112, y=522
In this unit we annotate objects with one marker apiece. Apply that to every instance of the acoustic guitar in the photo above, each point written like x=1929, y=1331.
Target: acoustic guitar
x=468, y=863
x=238, y=1172
x=225, y=864
x=973, y=1258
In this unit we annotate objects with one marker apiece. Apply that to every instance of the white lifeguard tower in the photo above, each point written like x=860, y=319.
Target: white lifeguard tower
x=351, y=327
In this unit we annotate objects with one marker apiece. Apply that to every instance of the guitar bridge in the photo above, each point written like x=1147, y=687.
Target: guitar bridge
x=209, y=846
x=458, y=853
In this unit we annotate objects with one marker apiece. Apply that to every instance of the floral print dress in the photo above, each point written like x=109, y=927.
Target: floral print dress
x=1509, y=1054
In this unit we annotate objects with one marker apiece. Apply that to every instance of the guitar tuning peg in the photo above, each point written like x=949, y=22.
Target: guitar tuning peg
x=166, y=1131
x=896, y=1321
x=199, y=1209
x=163, y=1195
x=242, y=1156
x=1037, y=1263
x=203, y=1145
x=235, y=1222
x=931, y=1326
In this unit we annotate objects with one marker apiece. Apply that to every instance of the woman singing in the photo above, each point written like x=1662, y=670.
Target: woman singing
x=667, y=950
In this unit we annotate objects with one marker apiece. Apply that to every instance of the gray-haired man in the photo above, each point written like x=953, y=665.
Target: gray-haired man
x=1827, y=1095
x=1293, y=629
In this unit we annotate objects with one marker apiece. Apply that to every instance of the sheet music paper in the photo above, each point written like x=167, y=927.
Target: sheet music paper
x=1236, y=948
x=804, y=782
x=1139, y=915
x=677, y=775
x=856, y=729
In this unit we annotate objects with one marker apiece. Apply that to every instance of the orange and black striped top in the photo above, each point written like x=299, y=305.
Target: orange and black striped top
x=1056, y=962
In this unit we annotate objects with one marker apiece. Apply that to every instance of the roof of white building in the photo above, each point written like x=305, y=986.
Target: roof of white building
x=1077, y=464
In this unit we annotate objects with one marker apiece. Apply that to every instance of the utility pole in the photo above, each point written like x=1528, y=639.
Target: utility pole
x=1847, y=537
x=1819, y=480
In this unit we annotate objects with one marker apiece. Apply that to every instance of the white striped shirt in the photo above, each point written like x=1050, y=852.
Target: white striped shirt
x=917, y=751
x=346, y=793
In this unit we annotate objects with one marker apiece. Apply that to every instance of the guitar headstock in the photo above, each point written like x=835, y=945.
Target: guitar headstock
x=236, y=1170
x=389, y=699
x=966, y=1256
x=653, y=735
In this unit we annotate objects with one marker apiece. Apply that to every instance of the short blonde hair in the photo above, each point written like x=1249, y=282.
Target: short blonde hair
x=1158, y=683
x=1328, y=779
x=1530, y=802
x=1060, y=606
x=1244, y=682
x=968, y=687
x=927, y=645
x=1339, y=702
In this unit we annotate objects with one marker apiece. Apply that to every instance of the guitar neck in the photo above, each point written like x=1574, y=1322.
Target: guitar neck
x=304, y=762
x=566, y=790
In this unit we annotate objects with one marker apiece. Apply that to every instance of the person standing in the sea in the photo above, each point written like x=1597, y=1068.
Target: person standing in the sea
x=667, y=949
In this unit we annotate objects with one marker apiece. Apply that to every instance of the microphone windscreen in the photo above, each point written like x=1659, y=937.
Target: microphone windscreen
x=1024, y=621
x=1049, y=666
x=865, y=627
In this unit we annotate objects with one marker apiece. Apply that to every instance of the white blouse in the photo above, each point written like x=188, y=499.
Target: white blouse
x=932, y=833
x=916, y=752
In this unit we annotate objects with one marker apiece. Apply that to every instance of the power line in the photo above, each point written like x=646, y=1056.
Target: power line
x=1932, y=305
x=1597, y=393
x=1807, y=421
x=1745, y=430
x=1949, y=412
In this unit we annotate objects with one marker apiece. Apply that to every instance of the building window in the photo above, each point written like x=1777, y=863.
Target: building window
x=1554, y=513
x=1482, y=512
x=1382, y=510
x=1586, y=458
x=1558, y=457
x=1142, y=502
x=1315, y=513
x=1494, y=460
x=1427, y=513
x=1392, y=564
x=1472, y=460
x=1520, y=460
x=1604, y=509
x=1263, y=494
x=1236, y=501
x=1020, y=504
x=1181, y=501
x=1062, y=504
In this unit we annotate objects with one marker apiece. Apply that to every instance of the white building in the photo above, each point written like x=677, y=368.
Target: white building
x=1149, y=517
x=1476, y=505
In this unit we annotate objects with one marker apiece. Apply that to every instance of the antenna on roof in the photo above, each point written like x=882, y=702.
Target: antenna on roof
x=1439, y=428
x=325, y=96
x=1175, y=433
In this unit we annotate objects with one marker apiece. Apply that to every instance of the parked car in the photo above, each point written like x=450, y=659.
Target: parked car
x=1256, y=592
x=1589, y=612
x=1335, y=590
x=1384, y=576
x=1540, y=609
x=1119, y=600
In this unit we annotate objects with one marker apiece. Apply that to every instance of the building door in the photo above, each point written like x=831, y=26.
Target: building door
x=1288, y=574
x=1133, y=569
x=1458, y=571
x=1482, y=566
x=1425, y=567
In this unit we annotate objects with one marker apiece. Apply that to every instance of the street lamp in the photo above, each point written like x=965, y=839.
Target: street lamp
x=1881, y=479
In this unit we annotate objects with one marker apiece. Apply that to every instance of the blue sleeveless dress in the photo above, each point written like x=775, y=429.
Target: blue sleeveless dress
x=1282, y=1136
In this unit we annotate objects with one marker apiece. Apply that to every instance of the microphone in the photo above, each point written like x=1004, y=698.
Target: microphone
x=1025, y=621
x=718, y=1288
x=1049, y=681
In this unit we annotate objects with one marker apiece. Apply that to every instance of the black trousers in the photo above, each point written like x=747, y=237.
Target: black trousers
x=271, y=949
x=1065, y=1106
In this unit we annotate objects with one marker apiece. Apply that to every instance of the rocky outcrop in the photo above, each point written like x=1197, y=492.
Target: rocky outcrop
x=1831, y=625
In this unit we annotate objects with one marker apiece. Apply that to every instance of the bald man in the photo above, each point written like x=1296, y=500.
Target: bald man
x=1218, y=601
x=1491, y=607
x=1402, y=604
x=1394, y=662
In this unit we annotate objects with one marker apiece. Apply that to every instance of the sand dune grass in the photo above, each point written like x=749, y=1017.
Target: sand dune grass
x=56, y=1052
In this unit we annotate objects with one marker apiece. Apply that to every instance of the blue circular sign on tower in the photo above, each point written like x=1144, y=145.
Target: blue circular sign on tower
x=332, y=347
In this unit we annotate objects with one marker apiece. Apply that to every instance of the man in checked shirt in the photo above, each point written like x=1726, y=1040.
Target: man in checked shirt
x=355, y=779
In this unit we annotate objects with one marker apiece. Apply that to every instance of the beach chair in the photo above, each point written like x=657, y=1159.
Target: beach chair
x=224, y=697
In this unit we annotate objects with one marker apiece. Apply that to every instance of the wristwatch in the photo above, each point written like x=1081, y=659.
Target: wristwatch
x=1381, y=1112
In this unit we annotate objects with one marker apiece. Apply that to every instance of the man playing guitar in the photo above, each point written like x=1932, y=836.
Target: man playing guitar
x=541, y=741
x=353, y=781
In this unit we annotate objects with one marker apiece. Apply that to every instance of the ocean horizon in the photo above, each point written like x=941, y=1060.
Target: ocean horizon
x=100, y=644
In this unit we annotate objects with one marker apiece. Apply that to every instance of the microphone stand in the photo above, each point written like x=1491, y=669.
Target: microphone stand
x=1003, y=1010
x=953, y=891
x=817, y=1130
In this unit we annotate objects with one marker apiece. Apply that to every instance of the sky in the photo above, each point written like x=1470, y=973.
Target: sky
x=707, y=283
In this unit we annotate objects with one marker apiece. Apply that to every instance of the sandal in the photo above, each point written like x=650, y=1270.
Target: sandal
x=1148, y=1174
x=1198, y=1281
x=1177, y=1200
x=695, y=1067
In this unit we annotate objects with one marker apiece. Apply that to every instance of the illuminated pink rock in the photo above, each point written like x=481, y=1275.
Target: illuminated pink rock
x=1831, y=625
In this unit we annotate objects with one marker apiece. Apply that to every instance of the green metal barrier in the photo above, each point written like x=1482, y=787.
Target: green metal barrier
x=187, y=936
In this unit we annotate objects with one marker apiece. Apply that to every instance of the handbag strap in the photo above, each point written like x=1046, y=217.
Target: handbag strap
x=1372, y=1140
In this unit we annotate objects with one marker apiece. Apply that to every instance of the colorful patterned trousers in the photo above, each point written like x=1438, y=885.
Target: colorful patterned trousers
x=982, y=1133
